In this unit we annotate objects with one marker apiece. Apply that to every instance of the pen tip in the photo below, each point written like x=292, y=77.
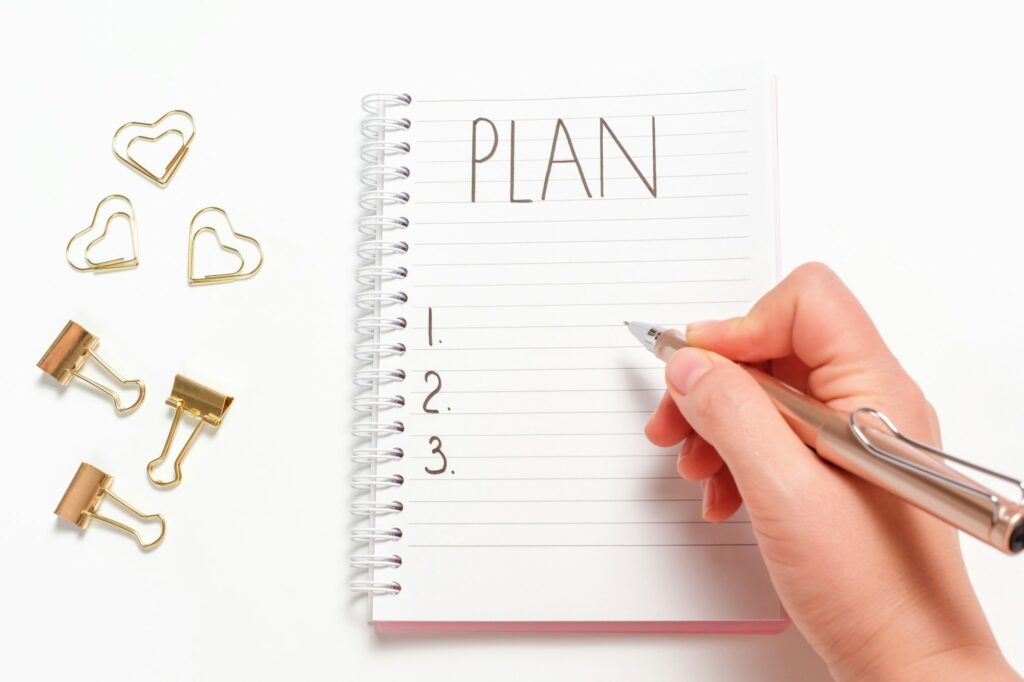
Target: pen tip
x=625, y=322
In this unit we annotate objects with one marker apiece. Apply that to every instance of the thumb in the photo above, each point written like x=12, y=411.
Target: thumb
x=725, y=405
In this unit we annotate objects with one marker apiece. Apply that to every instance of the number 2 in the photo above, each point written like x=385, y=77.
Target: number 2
x=430, y=396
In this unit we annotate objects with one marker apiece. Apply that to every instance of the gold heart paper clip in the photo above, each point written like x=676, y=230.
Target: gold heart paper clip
x=119, y=263
x=241, y=272
x=124, y=153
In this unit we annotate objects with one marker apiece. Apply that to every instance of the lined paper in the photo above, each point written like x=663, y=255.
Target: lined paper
x=551, y=505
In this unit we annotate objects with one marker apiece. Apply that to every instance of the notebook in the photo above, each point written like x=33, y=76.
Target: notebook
x=508, y=230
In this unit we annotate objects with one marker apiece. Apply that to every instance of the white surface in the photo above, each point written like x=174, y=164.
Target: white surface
x=547, y=466
x=901, y=145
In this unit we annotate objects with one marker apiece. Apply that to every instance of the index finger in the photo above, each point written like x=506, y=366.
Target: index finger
x=810, y=314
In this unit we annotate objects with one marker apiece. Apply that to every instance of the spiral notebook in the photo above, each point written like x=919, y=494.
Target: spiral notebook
x=508, y=230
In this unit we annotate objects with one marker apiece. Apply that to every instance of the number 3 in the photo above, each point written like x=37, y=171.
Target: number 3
x=436, y=443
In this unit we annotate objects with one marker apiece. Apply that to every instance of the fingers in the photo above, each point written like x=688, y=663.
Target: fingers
x=724, y=404
x=721, y=496
x=810, y=314
x=697, y=459
x=666, y=426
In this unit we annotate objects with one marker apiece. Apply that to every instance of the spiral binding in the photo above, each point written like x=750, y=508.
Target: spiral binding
x=373, y=328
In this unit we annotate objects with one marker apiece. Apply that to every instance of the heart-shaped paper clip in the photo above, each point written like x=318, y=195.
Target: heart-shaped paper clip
x=119, y=263
x=123, y=150
x=241, y=272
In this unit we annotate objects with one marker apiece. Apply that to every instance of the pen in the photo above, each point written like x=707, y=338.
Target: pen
x=913, y=471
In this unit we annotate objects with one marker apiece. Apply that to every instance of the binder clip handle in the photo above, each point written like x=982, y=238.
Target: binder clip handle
x=128, y=529
x=179, y=460
x=68, y=354
x=87, y=490
x=112, y=394
x=206, y=405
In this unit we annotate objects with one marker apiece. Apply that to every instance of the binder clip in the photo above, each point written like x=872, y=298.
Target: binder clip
x=183, y=127
x=241, y=272
x=66, y=355
x=84, y=495
x=128, y=213
x=203, y=404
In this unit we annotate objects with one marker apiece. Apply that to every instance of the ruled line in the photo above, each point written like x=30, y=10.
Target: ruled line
x=538, y=369
x=438, y=348
x=574, y=523
x=590, y=179
x=559, y=284
x=582, y=220
x=544, y=326
x=544, y=369
x=420, y=121
x=549, y=201
x=647, y=136
x=551, y=478
x=516, y=435
x=545, y=390
x=579, y=97
x=590, y=241
x=677, y=544
x=578, y=304
x=589, y=262
x=534, y=412
x=587, y=456
x=595, y=158
x=572, y=501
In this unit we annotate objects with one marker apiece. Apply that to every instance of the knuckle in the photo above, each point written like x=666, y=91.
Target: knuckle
x=816, y=274
x=909, y=392
x=721, y=395
x=903, y=400
x=933, y=421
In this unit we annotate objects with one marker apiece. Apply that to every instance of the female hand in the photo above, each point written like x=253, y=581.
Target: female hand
x=877, y=587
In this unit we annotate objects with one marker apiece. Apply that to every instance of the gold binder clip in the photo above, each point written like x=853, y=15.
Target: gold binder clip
x=198, y=401
x=240, y=273
x=122, y=144
x=120, y=263
x=66, y=355
x=85, y=494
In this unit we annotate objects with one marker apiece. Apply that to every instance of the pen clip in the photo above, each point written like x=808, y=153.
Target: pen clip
x=866, y=443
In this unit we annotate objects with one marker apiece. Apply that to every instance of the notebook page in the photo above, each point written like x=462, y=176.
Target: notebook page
x=530, y=492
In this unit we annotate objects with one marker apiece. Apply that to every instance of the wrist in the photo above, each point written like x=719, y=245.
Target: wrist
x=964, y=662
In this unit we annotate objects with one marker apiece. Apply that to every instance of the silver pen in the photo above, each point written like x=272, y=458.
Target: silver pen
x=880, y=454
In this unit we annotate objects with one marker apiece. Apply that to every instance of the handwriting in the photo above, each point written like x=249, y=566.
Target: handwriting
x=435, y=443
x=561, y=131
x=430, y=396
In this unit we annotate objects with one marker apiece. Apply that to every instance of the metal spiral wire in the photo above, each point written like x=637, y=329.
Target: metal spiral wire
x=376, y=329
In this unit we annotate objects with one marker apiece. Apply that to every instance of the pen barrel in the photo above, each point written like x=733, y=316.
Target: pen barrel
x=828, y=432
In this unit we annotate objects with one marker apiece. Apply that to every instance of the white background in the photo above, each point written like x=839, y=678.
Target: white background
x=901, y=147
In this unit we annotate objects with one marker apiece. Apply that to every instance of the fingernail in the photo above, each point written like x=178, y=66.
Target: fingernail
x=687, y=448
x=710, y=493
x=685, y=368
x=684, y=452
x=699, y=326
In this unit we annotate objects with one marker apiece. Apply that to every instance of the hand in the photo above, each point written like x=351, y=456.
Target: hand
x=877, y=587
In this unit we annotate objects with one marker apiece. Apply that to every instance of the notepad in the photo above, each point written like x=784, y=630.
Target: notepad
x=509, y=228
